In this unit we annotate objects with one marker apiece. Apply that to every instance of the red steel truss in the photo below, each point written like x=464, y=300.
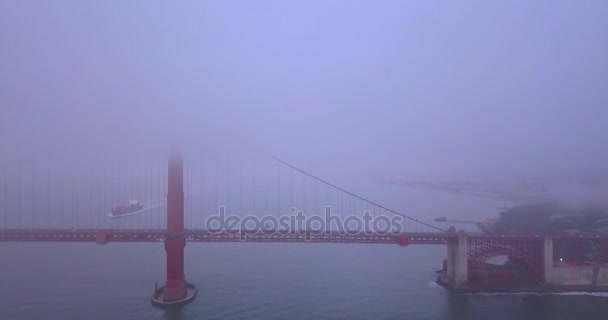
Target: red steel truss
x=527, y=249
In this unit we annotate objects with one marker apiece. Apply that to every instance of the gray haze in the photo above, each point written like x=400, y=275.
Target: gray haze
x=482, y=89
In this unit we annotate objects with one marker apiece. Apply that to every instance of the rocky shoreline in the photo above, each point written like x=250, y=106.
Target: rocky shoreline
x=442, y=281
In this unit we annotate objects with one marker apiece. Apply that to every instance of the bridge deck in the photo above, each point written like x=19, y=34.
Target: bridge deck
x=110, y=235
x=134, y=235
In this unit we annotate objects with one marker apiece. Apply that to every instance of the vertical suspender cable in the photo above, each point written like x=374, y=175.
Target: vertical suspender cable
x=203, y=195
x=162, y=195
x=121, y=183
x=278, y=189
x=132, y=178
x=91, y=186
x=158, y=192
x=19, y=197
x=47, y=200
x=5, y=198
x=316, y=199
x=95, y=195
x=214, y=189
x=241, y=213
x=253, y=187
x=186, y=188
x=34, y=194
x=327, y=204
x=228, y=204
x=115, y=188
x=151, y=193
x=60, y=197
x=266, y=187
x=82, y=213
x=101, y=195
x=341, y=203
x=73, y=198
x=185, y=185
x=191, y=196
x=138, y=188
x=361, y=208
x=85, y=195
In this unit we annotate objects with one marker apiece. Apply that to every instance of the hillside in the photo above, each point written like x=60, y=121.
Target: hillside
x=549, y=218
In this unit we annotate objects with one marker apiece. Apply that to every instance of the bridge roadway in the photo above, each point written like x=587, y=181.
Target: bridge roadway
x=103, y=236
x=134, y=235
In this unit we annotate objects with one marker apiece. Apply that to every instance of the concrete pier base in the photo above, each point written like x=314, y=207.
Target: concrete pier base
x=158, y=297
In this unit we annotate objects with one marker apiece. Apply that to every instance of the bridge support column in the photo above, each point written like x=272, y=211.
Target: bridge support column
x=175, y=287
x=548, y=261
x=457, y=262
x=175, y=290
x=461, y=263
x=451, y=252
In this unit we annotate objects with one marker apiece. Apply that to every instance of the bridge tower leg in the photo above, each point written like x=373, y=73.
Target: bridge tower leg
x=461, y=268
x=452, y=241
x=457, y=262
x=175, y=290
x=175, y=287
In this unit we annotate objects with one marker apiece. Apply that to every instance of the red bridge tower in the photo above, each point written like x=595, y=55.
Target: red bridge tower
x=176, y=290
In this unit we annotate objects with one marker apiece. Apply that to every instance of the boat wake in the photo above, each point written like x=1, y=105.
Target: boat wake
x=154, y=205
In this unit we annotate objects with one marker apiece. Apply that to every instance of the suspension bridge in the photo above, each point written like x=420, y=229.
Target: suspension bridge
x=60, y=198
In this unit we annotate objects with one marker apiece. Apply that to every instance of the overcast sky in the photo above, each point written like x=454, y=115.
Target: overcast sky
x=470, y=88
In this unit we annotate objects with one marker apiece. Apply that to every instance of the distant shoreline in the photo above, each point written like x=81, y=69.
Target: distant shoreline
x=514, y=199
